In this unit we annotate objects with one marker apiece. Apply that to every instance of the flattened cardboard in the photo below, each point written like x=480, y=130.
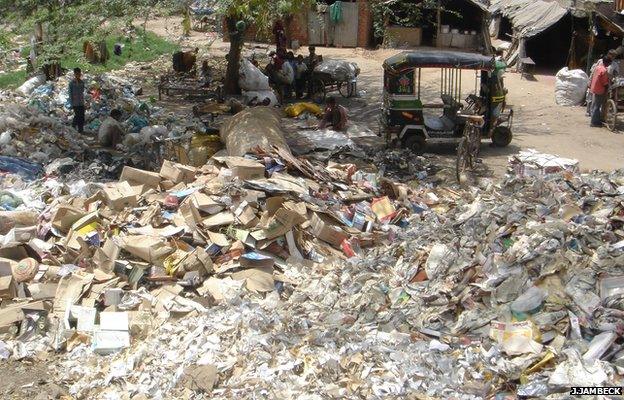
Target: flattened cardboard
x=221, y=219
x=256, y=279
x=205, y=203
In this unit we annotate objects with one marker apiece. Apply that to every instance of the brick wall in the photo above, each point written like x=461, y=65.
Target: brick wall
x=296, y=29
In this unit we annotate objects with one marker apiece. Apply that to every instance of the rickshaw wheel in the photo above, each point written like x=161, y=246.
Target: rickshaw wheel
x=501, y=136
x=318, y=91
x=346, y=89
x=415, y=143
x=462, y=162
x=611, y=115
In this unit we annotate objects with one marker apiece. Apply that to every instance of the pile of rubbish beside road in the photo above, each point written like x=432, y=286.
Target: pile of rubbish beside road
x=272, y=276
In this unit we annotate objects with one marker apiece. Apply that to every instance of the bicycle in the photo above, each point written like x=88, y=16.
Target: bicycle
x=468, y=147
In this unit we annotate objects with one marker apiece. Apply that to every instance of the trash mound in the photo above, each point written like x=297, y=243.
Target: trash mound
x=402, y=165
x=91, y=269
x=338, y=70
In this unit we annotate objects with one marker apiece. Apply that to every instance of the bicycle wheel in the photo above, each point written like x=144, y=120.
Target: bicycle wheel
x=462, y=162
x=318, y=91
x=474, y=139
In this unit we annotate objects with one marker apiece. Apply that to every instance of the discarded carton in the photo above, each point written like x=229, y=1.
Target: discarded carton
x=65, y=216
x=177, y=173
x=243, y=168
x=136, y=177
x=148, y=248
x=326, y=230
x=8, y=288
x=120, y=195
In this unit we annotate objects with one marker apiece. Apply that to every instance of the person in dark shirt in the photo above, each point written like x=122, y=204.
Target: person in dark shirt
x=77, y=100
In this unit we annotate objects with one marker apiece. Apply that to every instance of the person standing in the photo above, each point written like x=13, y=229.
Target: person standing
x=301, y=72
x=598, y=88
x=77, y=99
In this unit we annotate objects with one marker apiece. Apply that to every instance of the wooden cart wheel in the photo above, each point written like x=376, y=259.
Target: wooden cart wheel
x=611, y=115
x=318, y=91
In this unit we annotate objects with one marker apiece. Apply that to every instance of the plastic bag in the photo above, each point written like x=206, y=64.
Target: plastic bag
x=30, y=85
x=338, y=69
x=286, y=74
x=295, y=110
x=251, y=78
x=570, y=87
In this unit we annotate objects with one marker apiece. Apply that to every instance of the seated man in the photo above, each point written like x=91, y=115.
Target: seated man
x=111, y=132
x=335, y=116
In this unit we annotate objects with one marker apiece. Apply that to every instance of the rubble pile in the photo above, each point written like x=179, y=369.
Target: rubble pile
x=269, y=276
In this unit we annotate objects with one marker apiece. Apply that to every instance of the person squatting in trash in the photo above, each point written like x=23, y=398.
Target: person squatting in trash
x=335, y=116
x=77, y=100
x=111, y=131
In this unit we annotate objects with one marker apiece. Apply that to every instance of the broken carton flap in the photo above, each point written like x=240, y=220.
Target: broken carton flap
x=135, y=176
x=205, y=203
x=256, y=279
x=219, y=239
x=200, y=378
x=152, y=249
x=255, y=259
x=85, y=317
x=221, y=219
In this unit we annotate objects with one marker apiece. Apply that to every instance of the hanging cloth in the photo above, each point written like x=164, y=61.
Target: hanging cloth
x=335, y=12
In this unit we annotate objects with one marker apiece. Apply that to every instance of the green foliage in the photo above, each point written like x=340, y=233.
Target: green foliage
x=12, y=79
x=142, y=48
x=405, y=13
x=261, y=13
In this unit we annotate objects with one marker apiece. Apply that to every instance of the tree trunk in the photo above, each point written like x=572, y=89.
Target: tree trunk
x=233, y=57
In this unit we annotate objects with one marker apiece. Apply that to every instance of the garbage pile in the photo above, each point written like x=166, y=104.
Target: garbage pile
x=98, y=267
x=269, y=274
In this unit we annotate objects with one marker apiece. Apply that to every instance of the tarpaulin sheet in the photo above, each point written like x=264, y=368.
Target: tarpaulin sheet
x=251, y=128
x=530, y=17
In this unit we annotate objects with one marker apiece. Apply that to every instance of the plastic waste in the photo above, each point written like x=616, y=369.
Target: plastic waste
x=5, y=138
x=251, y=78
x=260, y=97
x=528, y=303
x=570, y=87
x=9, y=201
x=338, y=69
x=29, y=86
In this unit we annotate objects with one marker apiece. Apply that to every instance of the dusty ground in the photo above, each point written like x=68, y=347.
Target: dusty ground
x=539, y=123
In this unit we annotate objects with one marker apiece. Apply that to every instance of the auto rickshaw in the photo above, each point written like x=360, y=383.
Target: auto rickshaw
x=403, y=119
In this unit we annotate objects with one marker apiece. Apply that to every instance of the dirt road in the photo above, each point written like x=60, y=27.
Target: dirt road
x=539, y=123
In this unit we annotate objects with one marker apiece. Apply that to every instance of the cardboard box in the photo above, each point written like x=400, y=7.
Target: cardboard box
x=177, y=173
x=325, y=229
x=107, y=342
x=8, y=287
x=243, y=168
x=136, y=176
x=120, y=196
x=65, y=217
